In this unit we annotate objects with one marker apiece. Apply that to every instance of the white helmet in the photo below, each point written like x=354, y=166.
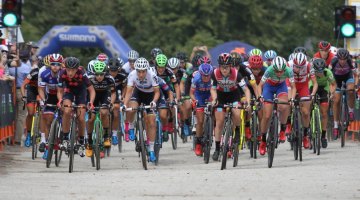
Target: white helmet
x=291, y=56
x=133, y=55
x=173, y=63
x=279, y=63
x=299, y=59
x=90, y=67
x=333, y=50
x=141, y=64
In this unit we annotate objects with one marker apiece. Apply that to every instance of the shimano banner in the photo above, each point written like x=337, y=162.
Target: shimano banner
x=104, y=37
x=237, y=46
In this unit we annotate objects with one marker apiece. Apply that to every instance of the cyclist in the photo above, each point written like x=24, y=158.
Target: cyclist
x=30, y=86
x=269, y=56
x=132, y=56
x=255, y=52
x=237, y=60
x=273, y=82
x=47, y=92
x=324, y=52
x=142, y=88
x=225, y=83
x=302, y=71
x=72, y=85
x=344, y=71
x=120, y=77
x=102, y=57
x=326, y=85
x=184, y=64
x=104, y=86
x=200, y=93
x=169, y=77
x=154, y=52
x=90, y=67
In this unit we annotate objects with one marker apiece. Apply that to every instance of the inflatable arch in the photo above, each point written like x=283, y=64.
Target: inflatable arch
x=238, y=46
x=104, y=37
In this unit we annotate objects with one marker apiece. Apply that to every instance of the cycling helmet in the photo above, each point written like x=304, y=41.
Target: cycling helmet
x=102, y=57
x=270, y=54
x=279, y=63
x=99, y=67
x=333, y=50
x=56, y=58
x=205, y=69
x=173, y=63
x=72, y=62
x=300, y=50
x=155, y=51
x=299, y=59
x=291, y=56
x=342, y=53
x=181, y=56
x=47, y=60
x=114, y=64
x=90, y=66
x=224, y=59
x=204, y=59
x=141, y=64
x=133, y=55
x=324, y=45
x=319, y=65
x=121, y=61
x=255, y=52
x=161, y=60
x=255, y=62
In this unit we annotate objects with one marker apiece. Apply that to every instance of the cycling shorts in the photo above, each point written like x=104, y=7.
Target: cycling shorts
x=31, y=94
x=79, y=97
x=50, y=99
x=227, y=98
x=323, y=94
x=102, y=99
x=348, y=78
x=202, y=99
x=269, y=90
x=142, y=98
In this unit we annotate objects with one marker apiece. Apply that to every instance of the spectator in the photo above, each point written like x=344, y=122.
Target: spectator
x=19, y=70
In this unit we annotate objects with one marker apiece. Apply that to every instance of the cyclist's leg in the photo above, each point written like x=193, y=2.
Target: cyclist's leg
x=80, y=100
x=324, y=107
x=130, y=115
x=350, y=96
x=336, y=106
x=66, y=114
x=30, y=106
x=282, y=94
x=115, y=122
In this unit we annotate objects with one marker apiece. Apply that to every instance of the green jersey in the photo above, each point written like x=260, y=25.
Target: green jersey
x=324, y=80
x=273, y=79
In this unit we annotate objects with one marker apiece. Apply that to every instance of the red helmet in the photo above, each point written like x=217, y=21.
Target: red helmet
x=300, y=59
x=56, y=58
x=324, y=45
x=255, y=62
x=102, y=57
x=205, y=59
x=224, y=59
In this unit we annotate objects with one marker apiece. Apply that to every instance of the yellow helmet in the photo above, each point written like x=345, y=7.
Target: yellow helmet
x=47, y=60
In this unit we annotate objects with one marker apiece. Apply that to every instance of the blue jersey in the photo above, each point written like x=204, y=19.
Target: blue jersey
x=49, y=81
x=199, y=86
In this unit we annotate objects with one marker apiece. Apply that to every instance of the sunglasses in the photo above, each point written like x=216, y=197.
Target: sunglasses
x=55, y=64
x=131, y=61
x=2, y=51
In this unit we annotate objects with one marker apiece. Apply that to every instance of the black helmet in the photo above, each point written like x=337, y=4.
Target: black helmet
x=236, y=59
x=319, y=65
x=114, y=64
x=181, y=56
x=224, y=59
x=71, y=62
x=155, y=51
x=195, y=61
x=300, y=50
x=342, y=53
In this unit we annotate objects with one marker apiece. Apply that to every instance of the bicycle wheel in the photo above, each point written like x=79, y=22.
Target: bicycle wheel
x=344, y=119
x=271, y=140
x=120, y=133
x=254, y=131
x=35, y=135
x=97, y=143
x=174, y=136
x=141, y=135
x=225, y=146
x=58, y=152
x=235, y=154
x=208, y=129
x=318, y=132
x=51, y=143
x=72, y=145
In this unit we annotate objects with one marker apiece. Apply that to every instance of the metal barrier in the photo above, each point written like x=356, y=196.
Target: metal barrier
x=7, y=110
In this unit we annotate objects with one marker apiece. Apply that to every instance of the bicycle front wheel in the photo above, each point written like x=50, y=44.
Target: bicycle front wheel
x=72, y=145
x=35, y=136
x=271, y=141
x=208, y=130
x=225, y=146
x=140, y=130
x=51, y=143
x=97, y=143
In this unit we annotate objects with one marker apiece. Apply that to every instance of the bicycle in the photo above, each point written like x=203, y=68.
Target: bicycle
x=55, y=136
x=239, y=144
x=297, y=130
x=344, y=113
x=97, y=138
x=70, y=149
x=227, y=133
x=121, y=131
x=141, y=147
x=158, y=139
x=254, y=124
x=208, y=132
x=176, y=126
x=316, y=125
x=272, y=140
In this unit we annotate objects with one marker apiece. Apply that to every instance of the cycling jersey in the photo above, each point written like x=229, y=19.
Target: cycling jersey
x=179, y=74
x=120, y=80
x=49, y=81
x=168, y=76
x=146, y=85
x=342, y=73
x=324, y=80
x=245, y=72
x=127, y=68
x=327, y=60
x=186, y=78
x=104, y=86
x=260, y=75
x=164, y=89
x=33, y=77
x=227, y=84
x=271, y=77
x=202, y=89
x=301, y=75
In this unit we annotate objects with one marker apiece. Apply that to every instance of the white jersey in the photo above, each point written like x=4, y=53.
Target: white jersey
x=302, y=75
x=127, y=68
x=146, y=85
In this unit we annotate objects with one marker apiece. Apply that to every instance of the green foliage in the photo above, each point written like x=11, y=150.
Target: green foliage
x=179, y=25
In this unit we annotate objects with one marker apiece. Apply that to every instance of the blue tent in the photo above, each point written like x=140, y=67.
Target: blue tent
x=228, y=47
